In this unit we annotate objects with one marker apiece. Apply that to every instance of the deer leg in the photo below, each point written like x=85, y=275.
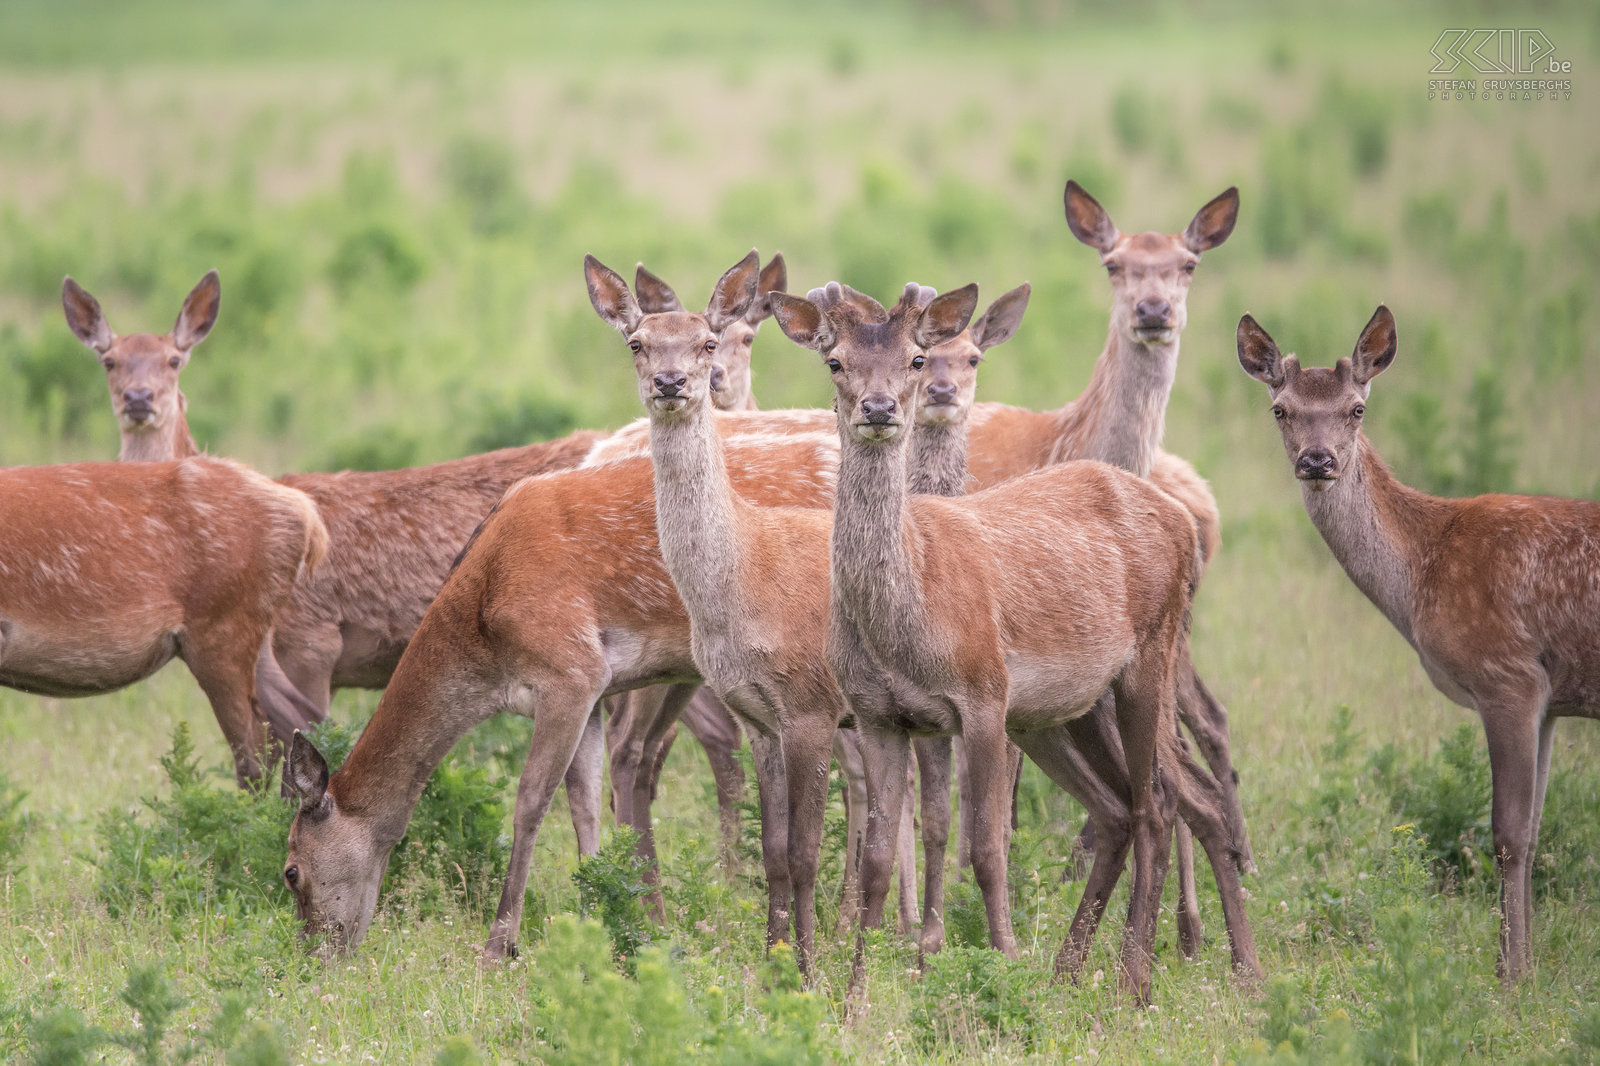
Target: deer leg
x=806, y=745
x=583, y=783
x=1203, y=806
x=1145, y=710
x=1513, y=729
x=1082, y=851
x=847, y=750
x=563, y=717
x=713, y=726
x=933, y=767
x=1190, y=929
x=657, y=719
x=963, y=807
x=1207, y=721
x=227, y=677
x=285, y=708
x=905, y=859
x=990, y=771
x=884, y=755
x=773, y=789
x=1547, y=737
x=307, y=655
x=1083, y=758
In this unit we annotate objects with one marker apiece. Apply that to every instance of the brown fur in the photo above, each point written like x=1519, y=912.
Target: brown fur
x=107, y=571
x=1499, y=595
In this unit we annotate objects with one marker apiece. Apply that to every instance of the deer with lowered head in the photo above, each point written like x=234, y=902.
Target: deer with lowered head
x=109, y=571
x=1007, y=612
x=1499, y=595
x=1119, y=418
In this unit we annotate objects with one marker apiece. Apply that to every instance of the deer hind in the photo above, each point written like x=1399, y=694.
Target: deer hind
x=1499, y=595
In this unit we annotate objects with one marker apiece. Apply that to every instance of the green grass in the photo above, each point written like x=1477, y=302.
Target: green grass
x=399, y=218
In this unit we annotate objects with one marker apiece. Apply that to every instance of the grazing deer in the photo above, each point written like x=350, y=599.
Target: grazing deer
x=642, y=724
x=1119, y=418
x=1006, y=612
x=108, y=571
x=1499, y=595
x=560, y=599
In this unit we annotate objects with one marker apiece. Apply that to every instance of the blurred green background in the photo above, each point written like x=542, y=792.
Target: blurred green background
x=399, y=196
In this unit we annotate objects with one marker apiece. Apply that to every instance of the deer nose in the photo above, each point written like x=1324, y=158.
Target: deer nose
x=878, y=409
x=1152, y=313
x=138, y=397
x=717, y=377
x=670, y=382
x=1314, y=464
x=941, y=392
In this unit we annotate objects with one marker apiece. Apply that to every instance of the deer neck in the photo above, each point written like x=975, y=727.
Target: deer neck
x=1377, y=528
x=171, y=441
x=697, y=515
x=875, y=578
x=938, y=462
x=383, y=777
x=1119, y=417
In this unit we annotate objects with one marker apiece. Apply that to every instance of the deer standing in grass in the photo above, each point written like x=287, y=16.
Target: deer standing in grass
x=1119, y=418
x=1499, y=595
x=109, y=571
x=642, y=724
x=393, y=535
x=1007, y=612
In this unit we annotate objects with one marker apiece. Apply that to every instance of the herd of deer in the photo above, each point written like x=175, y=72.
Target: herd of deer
x=861, y=584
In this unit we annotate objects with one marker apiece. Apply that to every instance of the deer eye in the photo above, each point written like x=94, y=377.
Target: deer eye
x=634, y=346
x=975, y=360
x=1358, y=410
x=918, y=362
x=711, y=346
x=109, y=364
x=291, y=876
x=750, y=339
x=1279, y=413
x=1188, y=268
x=835, y=366
x=1112, y=268
x=175, y=362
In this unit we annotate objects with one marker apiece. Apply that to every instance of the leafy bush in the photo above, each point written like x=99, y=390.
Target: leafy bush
x=1447, y=797
x=587, y=1012
x=976, y=996
x=203, y=845
x=611, y=886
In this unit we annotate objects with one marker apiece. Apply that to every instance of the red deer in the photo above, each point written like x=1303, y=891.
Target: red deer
x=967, y=616
x=1499, y=595
x=1119, y=418
x=109, y=571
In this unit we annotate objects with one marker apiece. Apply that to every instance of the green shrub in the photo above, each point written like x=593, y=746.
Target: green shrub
x=1446, y=796
x=975, y=996
x=611, y=886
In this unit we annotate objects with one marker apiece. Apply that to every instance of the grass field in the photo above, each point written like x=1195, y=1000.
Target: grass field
x=399, y=198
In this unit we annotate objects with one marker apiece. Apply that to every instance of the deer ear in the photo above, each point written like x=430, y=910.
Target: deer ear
x=1258, y=354
x=1088, y=220
x=946, y=316
x=84, y=317
x=1375, y=347
x=610, y=296
x=306, y=772
x=1214, y=222
x=774, y=278
x=735, y=292
x=654, y=295
x=802, y=322
x=199, y=312
x=1002, y=319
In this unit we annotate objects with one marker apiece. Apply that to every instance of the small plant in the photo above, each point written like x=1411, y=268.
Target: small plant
x=976, y=996
x=1447, y=798
x=14, y=826
x=611, y=886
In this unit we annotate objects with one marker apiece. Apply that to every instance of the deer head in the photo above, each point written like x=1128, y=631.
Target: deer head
x=142, y=368
x=877, y=357
x=674, y=352
x=950, y=376
x=1150, y=272
x=335, y=864
x=730, y=372
x=1319, y=410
